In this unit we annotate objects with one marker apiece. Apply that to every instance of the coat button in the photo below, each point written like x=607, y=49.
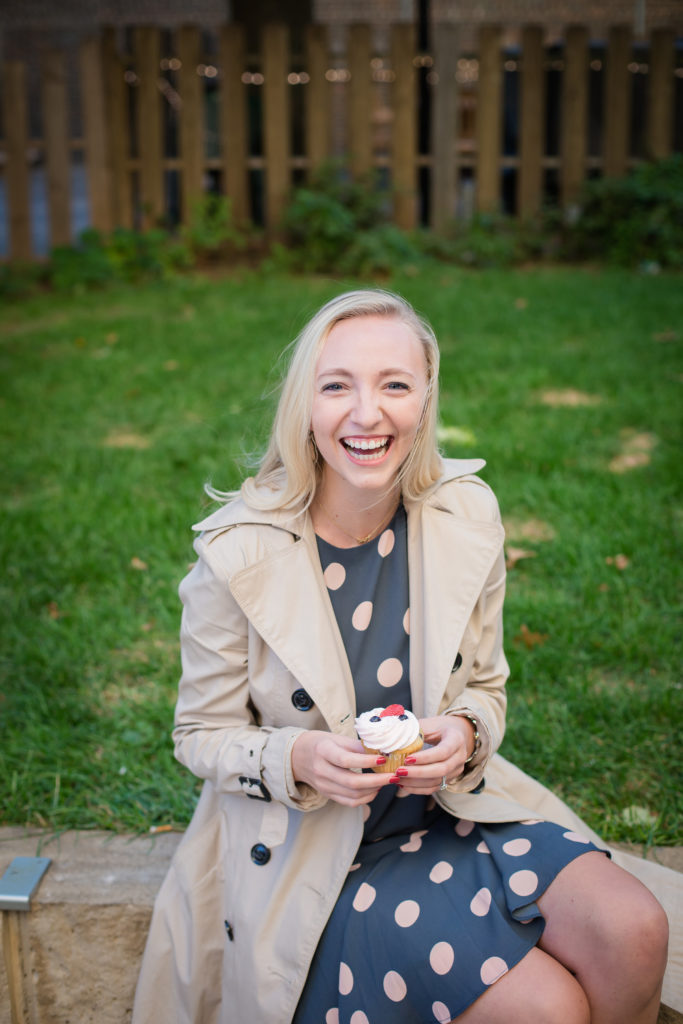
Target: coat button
x=457, y=663
x=260, y=854
x=301, y=700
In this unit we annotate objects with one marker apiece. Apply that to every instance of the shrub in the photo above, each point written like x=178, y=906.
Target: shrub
x=633, y=220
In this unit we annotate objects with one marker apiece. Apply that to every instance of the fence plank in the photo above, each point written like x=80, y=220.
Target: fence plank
x=532, y=133
x=404, y=133
x=317, y=127
x=115, y=91
x=191, y=122
x=146, y=46
x=444, y=127
x=360, y=100
x=14, y=115
x=618, y=99
x=96, y=134
x=277, y=138
x=56, y=138
x=574, y=140
x=660, y=99
x=233, y=120
x=489, y=118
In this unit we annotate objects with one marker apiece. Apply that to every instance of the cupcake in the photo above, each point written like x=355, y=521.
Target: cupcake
x=392, y=732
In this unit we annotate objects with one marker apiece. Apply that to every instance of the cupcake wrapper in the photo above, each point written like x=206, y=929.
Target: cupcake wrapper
x=396, y=758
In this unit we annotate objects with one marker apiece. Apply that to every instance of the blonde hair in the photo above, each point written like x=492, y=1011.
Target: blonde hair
x=290, y=468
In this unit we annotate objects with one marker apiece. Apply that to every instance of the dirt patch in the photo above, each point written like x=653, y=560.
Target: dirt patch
x=635, y=451
x=528, y=529
x=126, y=439
x=569, y=398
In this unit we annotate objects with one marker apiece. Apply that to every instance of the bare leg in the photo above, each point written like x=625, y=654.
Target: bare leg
x=609, y=931
x=538, y=989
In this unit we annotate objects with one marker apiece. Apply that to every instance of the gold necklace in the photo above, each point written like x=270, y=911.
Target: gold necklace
x=369, y=536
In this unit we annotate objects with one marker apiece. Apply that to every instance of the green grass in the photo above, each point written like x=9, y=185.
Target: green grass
x=117, y=406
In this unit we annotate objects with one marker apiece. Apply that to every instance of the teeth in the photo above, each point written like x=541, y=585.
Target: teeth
x=367, y=445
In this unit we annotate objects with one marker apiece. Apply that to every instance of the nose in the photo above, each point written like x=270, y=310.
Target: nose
x=366, y=410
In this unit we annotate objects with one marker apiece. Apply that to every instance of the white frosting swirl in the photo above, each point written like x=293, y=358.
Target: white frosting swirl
x=388, y=734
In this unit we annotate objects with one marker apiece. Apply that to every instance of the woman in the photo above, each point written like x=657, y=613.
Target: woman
x=359, y=569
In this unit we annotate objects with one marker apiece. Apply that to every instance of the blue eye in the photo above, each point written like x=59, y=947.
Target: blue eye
x=397, y=385
x=332, y=387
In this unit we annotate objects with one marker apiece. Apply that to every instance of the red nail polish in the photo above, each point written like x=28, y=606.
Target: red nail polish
x=410, y=760
x=402, y=771
x=381, y=760
x=395, y=780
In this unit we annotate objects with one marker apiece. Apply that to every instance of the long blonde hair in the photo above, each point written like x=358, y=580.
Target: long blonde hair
x=289, y=471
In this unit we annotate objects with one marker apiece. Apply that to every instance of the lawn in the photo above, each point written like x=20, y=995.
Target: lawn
x=116, y=407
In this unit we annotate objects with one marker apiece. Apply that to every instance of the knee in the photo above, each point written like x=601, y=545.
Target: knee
x=641, y=941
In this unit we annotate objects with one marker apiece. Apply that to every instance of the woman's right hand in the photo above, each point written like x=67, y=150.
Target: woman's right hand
x=333, y=766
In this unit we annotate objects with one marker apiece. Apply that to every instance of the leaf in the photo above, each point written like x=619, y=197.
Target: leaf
x=635, y=815
x=569, y=398
x=455, y=435
x=635, y=451
x=521, y=303
x=514, y=555
x=53, y=610
x=620, y=562
x=529, y=639
x=137, y=563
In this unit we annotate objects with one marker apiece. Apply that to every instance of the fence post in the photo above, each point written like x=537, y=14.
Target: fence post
x=532, y=135
x=618, y=98
x=574, y=115
x=360, y=99
x=56, y=139
x=444, y=126
x=276, y=135
x=149, y=126
x=191, y=121
x=660, y=98
x=15, y=118
x=317, y=96
x=233, y=120
x=115, y=90
x=96, y=137
x=404, y=133
x=489, y=118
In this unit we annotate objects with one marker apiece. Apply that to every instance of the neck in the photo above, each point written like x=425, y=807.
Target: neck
x=347, y=524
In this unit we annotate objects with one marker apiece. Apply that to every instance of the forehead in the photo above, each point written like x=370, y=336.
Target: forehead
x=372, y=341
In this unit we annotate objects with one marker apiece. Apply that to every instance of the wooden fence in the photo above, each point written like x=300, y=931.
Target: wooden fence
x=165, y=121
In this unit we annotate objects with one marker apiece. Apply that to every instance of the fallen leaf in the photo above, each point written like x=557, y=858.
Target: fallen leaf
x=604, y=587
x=635, y=815
x=53, y=610
x=528, y=529
x=79, y=342
x=618, y=561
x=171, y=364
x=528, y=638
x=635, y=451
x=155, y=829
x=125, y=439
x=569, y=398
x=514, y=555
x=146, y=627
x=521, y=303
x=112, y=338
x=137, y=563
x=664, y=336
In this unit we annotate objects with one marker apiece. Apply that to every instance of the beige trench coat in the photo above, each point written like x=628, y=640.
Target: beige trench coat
x=239, y=915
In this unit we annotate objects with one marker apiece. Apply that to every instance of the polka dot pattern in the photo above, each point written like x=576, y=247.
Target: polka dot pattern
x=441, y=872
x=394, y=986
x=576, y=837
x=524, y=883
x=334, y=576
x=481, y=903
x=516, y=847
x=463, y=827
x=389, y=672
x=385, y=544
x=332, y=1016
x=407, y=913
x=345, y=979
x=441, y=1013
x=414, y=843
x=365, y=897
x=441, y=957
x=493, y=969
x=360, y=619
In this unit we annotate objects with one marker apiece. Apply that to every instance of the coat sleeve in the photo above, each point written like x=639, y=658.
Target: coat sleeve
x=484, y=696
x=217, y=735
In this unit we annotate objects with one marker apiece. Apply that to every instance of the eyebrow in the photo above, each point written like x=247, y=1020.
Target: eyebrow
x=389, y=372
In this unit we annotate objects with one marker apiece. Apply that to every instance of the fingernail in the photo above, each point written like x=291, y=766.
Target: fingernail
x=402, y=771
x=410, y=760
x=381, y=760
x=395, y=780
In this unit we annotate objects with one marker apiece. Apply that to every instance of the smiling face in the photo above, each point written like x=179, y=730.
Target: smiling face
x=369, y=392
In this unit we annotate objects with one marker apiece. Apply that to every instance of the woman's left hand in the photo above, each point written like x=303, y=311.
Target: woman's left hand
x=451, y=739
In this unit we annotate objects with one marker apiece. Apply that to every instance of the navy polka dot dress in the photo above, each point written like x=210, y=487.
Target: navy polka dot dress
x=434, y=908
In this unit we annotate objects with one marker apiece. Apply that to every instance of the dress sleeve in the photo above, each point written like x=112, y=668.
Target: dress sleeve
x=217, y=734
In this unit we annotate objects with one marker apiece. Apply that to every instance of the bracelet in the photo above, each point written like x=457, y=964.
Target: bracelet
x=477, y=737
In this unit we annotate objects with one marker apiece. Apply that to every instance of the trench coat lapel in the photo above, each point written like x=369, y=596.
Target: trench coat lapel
x=286, y=599
x=458, y=553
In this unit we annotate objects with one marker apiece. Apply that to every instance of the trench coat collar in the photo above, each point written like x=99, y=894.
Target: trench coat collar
x=285, y=598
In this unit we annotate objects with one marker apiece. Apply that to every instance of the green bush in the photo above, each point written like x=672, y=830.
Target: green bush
x=631, y=221
x=211, y=233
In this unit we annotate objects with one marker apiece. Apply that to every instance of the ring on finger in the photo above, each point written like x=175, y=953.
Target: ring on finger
x=444, y=784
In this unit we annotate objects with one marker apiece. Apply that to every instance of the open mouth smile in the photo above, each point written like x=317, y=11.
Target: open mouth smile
x=367, y=449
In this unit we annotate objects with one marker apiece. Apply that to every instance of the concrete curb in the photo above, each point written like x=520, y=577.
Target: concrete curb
x=82, y=941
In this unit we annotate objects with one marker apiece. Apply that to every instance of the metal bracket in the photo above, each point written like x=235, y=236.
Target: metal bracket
x=20, y=881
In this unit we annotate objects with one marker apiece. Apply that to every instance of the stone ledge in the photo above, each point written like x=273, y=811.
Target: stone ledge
x=84, y=936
